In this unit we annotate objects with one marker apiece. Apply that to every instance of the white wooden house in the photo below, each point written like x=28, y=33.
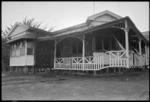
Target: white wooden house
x=105, y=40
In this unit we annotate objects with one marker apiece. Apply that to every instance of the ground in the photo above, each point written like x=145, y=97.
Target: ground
x=57, y=86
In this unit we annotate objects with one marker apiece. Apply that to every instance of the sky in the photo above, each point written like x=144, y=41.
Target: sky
x=66, y=14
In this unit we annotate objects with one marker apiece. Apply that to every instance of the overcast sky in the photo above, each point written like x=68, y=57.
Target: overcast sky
x=66, y=14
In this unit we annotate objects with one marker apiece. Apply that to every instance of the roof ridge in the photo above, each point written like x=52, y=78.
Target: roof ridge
x=70, y=28
x=102, y=13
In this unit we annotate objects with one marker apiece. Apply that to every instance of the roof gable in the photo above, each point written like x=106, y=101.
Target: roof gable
x=92, y=17
x=17, y=29
x=101, y=18
x=94, y=20
x=105, y=17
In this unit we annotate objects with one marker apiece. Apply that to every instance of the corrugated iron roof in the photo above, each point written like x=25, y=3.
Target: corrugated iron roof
x=80, y=28
x=94, y=28
x=22, y=37
x=31, y=33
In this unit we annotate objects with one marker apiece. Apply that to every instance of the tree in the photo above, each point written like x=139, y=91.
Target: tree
x=5, y=55
x=29, y=22
x=6, y=48
x=35, y=24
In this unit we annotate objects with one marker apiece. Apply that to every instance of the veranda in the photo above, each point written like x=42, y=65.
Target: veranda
x=110, y=47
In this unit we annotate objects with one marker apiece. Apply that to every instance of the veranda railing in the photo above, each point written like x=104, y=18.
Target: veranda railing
x=108, y=59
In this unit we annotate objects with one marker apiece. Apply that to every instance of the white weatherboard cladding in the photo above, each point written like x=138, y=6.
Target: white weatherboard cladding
x=105, y=17
x=18, y=35
x=18, y=31
x=22, y=60
x=29, y=60
x=17, y=61
x=106, y=57
x=102, y=19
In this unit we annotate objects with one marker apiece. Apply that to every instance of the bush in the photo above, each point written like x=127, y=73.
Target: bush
x=5, y=55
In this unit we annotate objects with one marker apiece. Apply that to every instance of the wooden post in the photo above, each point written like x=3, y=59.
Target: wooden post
x=55, y=53
x=127, y=42
x=83, y=50
x=140, y=51
x=146, y=54
x=25, y=56
x=35, y=44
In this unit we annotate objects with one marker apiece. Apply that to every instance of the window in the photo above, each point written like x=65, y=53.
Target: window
x=22, y=49
x=17, y=50
x=13, y=52
x=30, y=47
x=29, y=51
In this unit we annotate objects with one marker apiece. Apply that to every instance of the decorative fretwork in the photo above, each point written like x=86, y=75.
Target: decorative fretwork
x=120, y=25
x=97, y=62
x=117, y=58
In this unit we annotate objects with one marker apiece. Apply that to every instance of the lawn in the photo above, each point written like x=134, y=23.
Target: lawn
x=56, y=86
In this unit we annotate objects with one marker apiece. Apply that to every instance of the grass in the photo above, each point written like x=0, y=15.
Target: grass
x=58, y=86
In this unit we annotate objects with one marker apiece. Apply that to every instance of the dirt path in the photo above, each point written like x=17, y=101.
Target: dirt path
x=47, y=87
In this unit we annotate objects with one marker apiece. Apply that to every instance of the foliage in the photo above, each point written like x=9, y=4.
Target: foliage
x=6, y=31
x=31, y=22
x=5, y=55
x=6, y=48
x=35, y=24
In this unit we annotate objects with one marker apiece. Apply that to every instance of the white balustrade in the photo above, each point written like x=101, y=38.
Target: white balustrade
x=117, y=58
x=108, y=59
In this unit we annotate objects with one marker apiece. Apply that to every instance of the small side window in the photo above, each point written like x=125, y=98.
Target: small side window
x=29, y=51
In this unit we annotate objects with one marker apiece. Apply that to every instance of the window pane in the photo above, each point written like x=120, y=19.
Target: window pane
x=22, y=51
x=29, y=51
x=13, y=52
x=17, y=51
